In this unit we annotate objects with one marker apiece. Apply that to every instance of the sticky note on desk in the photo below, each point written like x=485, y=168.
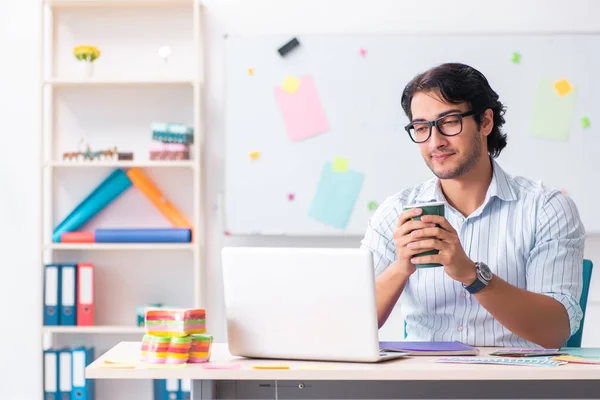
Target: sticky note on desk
x=552, y=116
x=302, y=112
x=335, y=196
x=290, y=84
x=563, y=87
x=340, y=164
x=271, y=366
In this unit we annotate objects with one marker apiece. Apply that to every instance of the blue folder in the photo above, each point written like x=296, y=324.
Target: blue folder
x=52, y=294
x=65, y=374
x=166, y=389
x=166, y=235
x=68, y=293
x=51, y=374
x=83, y=388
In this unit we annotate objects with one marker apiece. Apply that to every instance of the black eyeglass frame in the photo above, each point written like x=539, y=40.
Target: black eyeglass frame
x=431, y=124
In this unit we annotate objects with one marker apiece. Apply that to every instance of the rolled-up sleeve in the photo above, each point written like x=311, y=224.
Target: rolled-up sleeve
x=379, y=236
x=554, y=267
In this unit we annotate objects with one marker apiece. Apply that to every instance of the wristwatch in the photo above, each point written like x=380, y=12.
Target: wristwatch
x=483, y=278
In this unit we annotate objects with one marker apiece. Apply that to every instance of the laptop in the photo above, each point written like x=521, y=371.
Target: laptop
x=302, y=304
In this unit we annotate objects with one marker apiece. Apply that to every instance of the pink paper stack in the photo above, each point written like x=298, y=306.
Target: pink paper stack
x=169, y=151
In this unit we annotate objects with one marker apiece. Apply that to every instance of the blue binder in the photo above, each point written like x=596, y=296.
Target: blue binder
x=185, y=389
x=166, y=389
x=51, y=294
x=68, y=302
x=50, y=375
x=65, y=376
x=83, y=389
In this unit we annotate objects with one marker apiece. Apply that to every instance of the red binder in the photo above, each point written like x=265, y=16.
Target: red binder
x=85, y=294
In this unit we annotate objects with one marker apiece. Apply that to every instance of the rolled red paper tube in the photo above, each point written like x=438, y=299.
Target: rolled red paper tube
x=78, y=237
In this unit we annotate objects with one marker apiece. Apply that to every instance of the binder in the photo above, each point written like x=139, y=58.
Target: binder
x=83, y=389
x=166, y=389
x=85, y=294
x=51, y=294
x=185, y=389
x=65, y=377
x=50, y=375
x=68, y=276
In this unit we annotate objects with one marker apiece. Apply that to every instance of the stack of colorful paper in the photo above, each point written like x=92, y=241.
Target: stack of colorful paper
x=179, y=350
x=200, y=350
x=175, y=322
x=155, y=349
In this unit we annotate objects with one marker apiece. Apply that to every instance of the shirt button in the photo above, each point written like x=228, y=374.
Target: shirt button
x=460, y=328
x=463, y=294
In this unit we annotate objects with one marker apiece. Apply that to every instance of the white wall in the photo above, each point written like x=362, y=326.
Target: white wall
x=20, y=283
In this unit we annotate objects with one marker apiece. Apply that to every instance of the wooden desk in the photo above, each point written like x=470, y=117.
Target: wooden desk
x=402, y=378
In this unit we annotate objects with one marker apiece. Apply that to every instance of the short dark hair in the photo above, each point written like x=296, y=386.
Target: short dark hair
x=457, y=83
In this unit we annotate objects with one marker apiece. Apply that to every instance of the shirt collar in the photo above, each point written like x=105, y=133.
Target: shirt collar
x=500, y=187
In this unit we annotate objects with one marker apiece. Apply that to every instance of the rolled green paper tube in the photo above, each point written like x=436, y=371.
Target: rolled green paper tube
x=433, y=208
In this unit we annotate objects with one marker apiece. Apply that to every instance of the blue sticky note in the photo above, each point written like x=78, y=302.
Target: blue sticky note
x=335, y=196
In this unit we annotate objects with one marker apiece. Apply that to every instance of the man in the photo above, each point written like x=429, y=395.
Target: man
x=511, y=249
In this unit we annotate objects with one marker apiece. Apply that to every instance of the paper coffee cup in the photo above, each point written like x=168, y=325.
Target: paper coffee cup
x=432, y=208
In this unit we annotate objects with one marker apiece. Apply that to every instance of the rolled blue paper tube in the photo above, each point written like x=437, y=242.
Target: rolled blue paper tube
x=111, y=188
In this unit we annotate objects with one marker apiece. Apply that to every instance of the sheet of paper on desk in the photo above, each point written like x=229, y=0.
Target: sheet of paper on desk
x=586, y=352
x=530, y=362
x=430, y=348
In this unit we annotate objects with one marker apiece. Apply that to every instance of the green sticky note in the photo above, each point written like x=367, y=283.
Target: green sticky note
x=373, y=205
x=340, y=164
x=585, y=122
x=335, y=197
x=552, y=116
x=516, y=58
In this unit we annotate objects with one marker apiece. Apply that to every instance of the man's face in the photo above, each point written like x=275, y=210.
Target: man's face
x=448, y=157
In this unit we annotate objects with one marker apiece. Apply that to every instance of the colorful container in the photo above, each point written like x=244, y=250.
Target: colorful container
x=179, y=350
x=169, y=151
x=200, y=349
x=175, y=322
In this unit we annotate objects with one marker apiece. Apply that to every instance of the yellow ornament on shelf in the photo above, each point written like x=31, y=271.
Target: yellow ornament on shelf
x=86, y=53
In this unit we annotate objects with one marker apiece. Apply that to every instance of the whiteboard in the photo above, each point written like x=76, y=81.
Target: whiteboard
x=360, y=95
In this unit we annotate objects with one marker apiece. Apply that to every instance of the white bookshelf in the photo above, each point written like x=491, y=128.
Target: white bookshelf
x=117, y=330
x=130, y=89
x=121, y=164
x=122, y=246
x=65, y=82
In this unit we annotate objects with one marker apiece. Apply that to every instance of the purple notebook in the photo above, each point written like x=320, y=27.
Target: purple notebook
x=430, y=348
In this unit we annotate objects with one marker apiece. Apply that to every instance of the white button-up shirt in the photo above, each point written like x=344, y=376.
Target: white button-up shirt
x=530, y=236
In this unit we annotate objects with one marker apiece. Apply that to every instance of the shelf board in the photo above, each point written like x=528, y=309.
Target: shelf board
x=121, y=246
x=59, y=82
x=121, y=164
x=106, y=329
x=118, y=3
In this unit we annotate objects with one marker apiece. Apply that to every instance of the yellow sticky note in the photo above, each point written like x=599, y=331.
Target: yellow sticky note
x=290, y=84
x=255, y=155
x=250, y=71
x=280, y=366
x=563, y=87
x=340, y=164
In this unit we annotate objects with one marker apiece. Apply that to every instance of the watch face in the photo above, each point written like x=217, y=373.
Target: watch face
x=485, y=271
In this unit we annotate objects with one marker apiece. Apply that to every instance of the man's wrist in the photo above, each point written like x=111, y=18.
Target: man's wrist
x=471, y=277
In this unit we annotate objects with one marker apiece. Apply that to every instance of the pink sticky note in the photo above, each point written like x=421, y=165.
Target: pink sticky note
x=302, y=111
x=363, y=52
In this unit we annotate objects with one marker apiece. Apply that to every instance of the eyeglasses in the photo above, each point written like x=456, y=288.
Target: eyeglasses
x=448, y=125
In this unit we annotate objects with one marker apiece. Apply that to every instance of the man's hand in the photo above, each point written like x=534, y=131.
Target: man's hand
x=451, y=254
x=403, y=237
